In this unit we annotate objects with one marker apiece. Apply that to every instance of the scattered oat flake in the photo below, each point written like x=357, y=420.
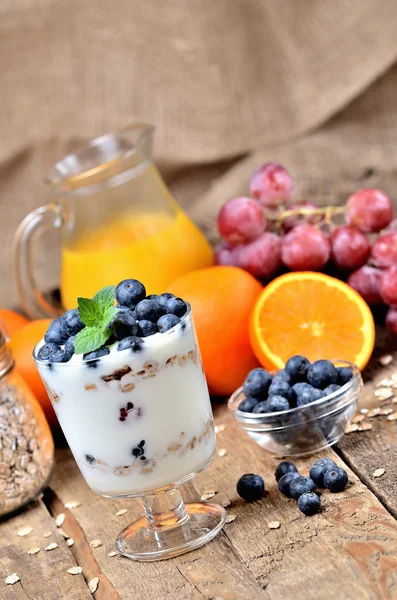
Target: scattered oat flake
x=93, y=585
x=59, y=521
x=386, y=411
x=364, y=411
x=73, y=504
x=379, y=472
x=34, y=550
x=350, y=428
x=47, y=534
x=274, y=524
x=70, y=542
x=24, y=531
x=120, y=512
x=383, y=394
x=225, y=503
x=220, y=428
x=222, y=452
x=386, y=360
x=63, y=534
x=112, y=553
x=374, y=412
x=75, y=570
x=358, y=419
x=364, y=427
x=230, y=518
x=11, y=579
x=51, y=546
x=208, y=495
x=95, y=543
x=394, y=400
x=392, y=417
x=387, y=382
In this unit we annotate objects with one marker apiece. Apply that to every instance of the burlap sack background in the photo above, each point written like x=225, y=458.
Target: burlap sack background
x=229, y=83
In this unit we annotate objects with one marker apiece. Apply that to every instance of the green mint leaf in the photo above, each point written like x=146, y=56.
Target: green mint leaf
x=108, y=315
x=105, y=297
x=89, y=311
x=90, y=339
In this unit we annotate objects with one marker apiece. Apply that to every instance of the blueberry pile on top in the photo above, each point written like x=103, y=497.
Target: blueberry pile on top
x=133, y=316
x=298, y=384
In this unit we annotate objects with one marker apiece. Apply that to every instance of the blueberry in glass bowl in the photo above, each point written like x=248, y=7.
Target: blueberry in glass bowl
x=317, y=416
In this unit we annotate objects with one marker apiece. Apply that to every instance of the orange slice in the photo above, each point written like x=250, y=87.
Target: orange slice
x=314, y=315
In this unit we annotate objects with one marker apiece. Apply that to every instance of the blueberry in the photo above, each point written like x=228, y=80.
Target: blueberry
x=123, y=325
x=344, y=375
x=261, y=407
x=331, y=389
x=129, y=292
x=321, y=374
x=152, y=297
x=72, y=322
x=176, y=306
x=335, y=480
x=60, y=356
x=56, y=332
x=251, y=487
x=164, y=297
x=283, y=468
x=282, y=376
x=257, y=383
x=285, y=482
x=297, y=367
x=309, y=503
x=146, y=328
x=277, y=403
x=133, y=342
x=90, y=459
x=319, y=468
x=300, y=485
x=308, y=395
x=248, y=404
x=299, y=387
x=166, y=322
x=149, y=310
x=90, y=356
x=280, y=388
x=47, y=350
x=69, y=346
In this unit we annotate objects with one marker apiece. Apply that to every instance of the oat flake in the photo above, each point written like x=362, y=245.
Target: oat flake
x=208, y=495
x=47, y=534
x=59, y=521
x=392, y=417
x=120, y=512
x=374, y=412
x=350, y=428
x=11, y=579
x=70, y=542
x=24, y=531
x=379, y=472
x=358, y=419
x=230, y=518
x=51, y=546
x=93, y=585
x=73, y=504
x=220, y=428
x=75, y=570
x=364, y=411
x=111, y=554
x=383, y=394
x=34, y=550
x=95, y=543
x=63, y=534
x=386, y=411
x=274, y=524
x=386, y=360
x=364, y=427
x=222, y=452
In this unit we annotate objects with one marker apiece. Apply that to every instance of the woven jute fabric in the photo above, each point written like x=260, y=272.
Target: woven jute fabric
x=228, y=83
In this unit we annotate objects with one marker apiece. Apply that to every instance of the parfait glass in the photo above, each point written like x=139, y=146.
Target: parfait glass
x=139, y=423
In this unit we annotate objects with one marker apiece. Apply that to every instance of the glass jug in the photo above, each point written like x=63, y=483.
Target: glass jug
x=118, y=220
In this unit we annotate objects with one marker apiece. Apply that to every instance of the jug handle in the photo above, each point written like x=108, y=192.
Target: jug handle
x=30, y=298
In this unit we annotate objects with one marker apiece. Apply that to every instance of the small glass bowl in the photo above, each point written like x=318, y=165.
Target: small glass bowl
x=305, y=429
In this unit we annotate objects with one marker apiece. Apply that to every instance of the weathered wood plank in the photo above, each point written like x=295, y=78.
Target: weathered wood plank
x=43, y=575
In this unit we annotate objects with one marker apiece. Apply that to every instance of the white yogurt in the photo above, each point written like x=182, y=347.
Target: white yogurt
x=144, y=427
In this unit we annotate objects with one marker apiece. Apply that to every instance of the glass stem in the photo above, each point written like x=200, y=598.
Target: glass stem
x=164, y=510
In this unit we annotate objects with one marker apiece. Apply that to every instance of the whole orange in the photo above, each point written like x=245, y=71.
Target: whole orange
x=12, y=320
x=222, y=299
x=22, y=344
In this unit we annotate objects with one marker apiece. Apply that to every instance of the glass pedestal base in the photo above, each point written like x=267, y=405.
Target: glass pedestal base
x=145, y=540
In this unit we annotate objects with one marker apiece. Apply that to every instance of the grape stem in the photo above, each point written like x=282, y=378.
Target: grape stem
x=327, y=212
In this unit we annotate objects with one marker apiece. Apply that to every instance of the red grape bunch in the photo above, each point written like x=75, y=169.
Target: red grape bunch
x=266, y=233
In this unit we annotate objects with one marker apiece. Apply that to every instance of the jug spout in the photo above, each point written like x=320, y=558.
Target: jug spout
x=102, y=158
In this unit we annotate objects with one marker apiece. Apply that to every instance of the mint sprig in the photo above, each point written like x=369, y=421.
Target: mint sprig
x=96, y=314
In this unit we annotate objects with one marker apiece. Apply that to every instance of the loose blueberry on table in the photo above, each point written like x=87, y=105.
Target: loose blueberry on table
x=251, y=487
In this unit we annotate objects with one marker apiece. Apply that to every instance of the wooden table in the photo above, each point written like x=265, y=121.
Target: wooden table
x=347, y=551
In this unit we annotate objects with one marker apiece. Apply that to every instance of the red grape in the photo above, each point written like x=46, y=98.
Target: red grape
x=305, y=248
x=366, y=282
x=241, y=220
x=262, y=257
x=392, y=226
x=391, y=320
x=388, y=286
x=369, y=210
x=349, y=247
x=295, y=220
x=271, y=185
x=225, y=254
x=384, y=250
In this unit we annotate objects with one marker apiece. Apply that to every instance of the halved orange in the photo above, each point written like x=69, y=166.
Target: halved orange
x=314, y=315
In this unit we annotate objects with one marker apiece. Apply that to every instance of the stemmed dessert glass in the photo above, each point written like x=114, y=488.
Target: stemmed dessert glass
x=139, y=423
